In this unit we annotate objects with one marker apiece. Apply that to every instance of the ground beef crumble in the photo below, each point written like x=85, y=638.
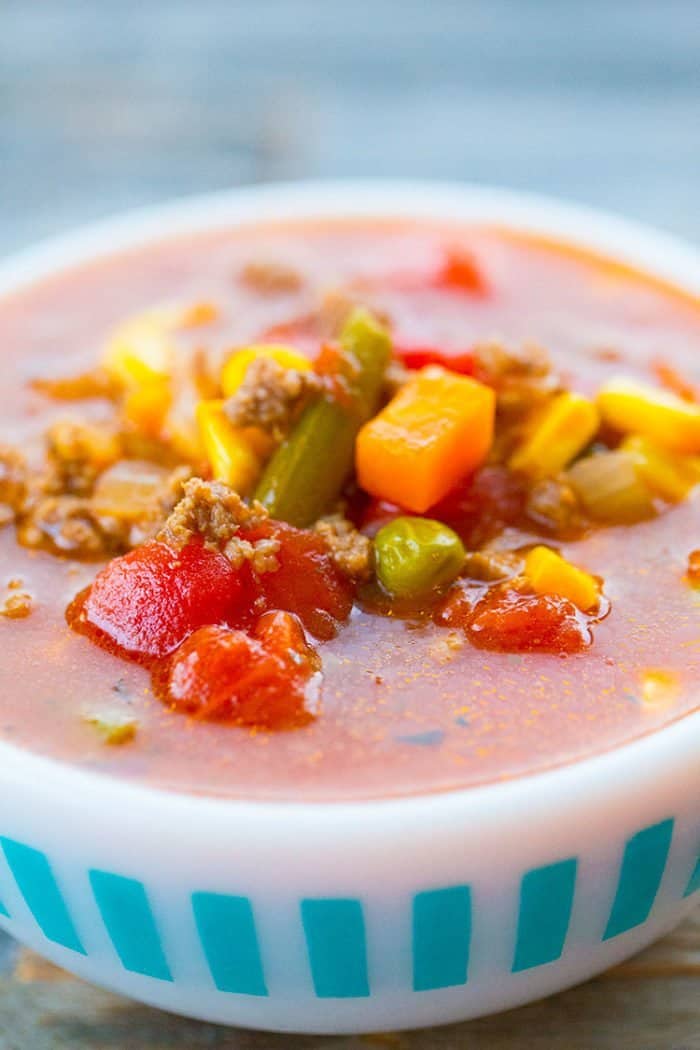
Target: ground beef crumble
x=76, y=453
x=69, y=526
x=18, y=603
x=13, y=483
x=271, y=278
x=491, y=566
x=522, y=379
x=271, y=397
x=351, y=550
x=216, y=512
x=554, y=507
x=76, y=526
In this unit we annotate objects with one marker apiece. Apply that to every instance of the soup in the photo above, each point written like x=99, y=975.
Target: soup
x=347, y=510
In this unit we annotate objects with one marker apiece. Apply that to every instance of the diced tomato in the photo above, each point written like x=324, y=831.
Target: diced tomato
x=223, y=674
x=482, y=505
x=461, y=271
x=457, y=607
x=376, y=513
x=299, y=333
x=148, y=601
x=282, y=634
x=509, y=621
x=461, y=361
x=307, y=581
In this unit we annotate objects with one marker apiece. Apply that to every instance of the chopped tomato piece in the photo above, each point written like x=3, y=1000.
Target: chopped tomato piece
x=509, y=621
x=223, y=674
x=307, y=581
x=460, y=271
x=457, y=607
x=282, y=634
x=376, y=513
x=299, y=333
x=148, y=601
x=482, y=505
x=414, y=357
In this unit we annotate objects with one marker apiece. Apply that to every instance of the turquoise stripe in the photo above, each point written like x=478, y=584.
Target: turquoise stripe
x=546, y=898
x=642, y=869
x=4, y=911
x=227, y=931
x=441, y=936
x=37, y=884
x=335, y=939
x=694, y=884
x=127, y=915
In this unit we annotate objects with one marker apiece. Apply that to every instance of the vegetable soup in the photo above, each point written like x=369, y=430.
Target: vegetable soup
x=347, y=510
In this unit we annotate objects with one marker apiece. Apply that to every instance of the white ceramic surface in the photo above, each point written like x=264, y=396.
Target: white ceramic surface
x=358, y=916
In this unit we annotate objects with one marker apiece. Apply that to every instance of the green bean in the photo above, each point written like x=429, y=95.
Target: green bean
x=309, y=469
x=417, y=556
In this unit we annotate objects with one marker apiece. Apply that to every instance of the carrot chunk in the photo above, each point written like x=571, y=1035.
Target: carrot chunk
x=438, y=428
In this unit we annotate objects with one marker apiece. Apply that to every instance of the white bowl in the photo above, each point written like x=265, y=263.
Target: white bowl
x=344, y=917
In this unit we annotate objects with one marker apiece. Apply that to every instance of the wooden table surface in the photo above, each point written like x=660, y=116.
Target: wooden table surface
x=110, y=104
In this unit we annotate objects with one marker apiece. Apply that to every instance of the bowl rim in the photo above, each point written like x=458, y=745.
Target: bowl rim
x=654, y=252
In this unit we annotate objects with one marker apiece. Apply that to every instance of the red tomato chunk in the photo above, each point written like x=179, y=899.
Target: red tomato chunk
x=223, y=674
x=307, y=582
x=148, y=601
x=415, y=357
x=482, y=504
x=509, y=621
x=461, y=273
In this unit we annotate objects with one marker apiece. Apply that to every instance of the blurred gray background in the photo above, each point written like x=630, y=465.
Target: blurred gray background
x=106, y=104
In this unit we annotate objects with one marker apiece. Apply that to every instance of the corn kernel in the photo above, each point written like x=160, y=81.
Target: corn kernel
x=635, y=408
x=228, y=450
x=671, y=477
x=146, y=406
x=141, y=350
x=564, y=428
x=549, y=573
x=235, y=368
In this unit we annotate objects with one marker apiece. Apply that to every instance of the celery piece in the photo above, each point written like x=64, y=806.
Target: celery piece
x=114, y=731
x=309, y=469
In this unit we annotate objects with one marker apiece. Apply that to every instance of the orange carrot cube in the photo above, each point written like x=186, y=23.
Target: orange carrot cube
x=438, y=428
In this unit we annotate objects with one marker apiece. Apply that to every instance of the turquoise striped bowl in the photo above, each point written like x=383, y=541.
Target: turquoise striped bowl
x=341, y=917
x=353, y=917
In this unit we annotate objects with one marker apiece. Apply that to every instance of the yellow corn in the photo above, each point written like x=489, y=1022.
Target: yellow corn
x=235, y=368
x=671, y=477
x=146, y=406
x=635, y=408
x=141, y=350
x=228, y=449
x=549, y=573
x=564, y=428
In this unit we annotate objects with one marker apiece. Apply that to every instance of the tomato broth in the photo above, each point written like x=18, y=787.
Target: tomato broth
x=403, y=705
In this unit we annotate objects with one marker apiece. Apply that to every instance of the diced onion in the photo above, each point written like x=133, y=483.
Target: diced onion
x=610, y=489
x=128, y=488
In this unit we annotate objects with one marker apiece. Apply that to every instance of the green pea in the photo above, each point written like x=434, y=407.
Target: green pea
x=416, y=556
